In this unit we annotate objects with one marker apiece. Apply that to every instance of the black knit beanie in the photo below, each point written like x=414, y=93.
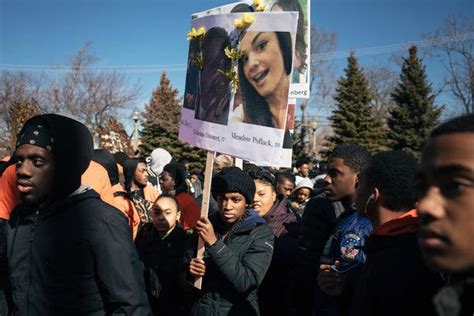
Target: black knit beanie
x=232, y=179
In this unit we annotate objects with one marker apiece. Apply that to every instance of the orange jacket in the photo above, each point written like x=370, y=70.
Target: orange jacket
x=9, y=194
x=95, y=176
x=128, y=207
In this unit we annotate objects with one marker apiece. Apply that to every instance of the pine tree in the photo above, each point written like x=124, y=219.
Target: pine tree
x=161, y=125
x=414, y=115
x=299, y=141
x=353, y=119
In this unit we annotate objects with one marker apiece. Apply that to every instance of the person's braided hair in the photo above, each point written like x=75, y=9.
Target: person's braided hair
x=263, y=175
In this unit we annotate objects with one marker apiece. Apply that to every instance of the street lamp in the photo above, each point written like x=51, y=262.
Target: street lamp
x=135, y=140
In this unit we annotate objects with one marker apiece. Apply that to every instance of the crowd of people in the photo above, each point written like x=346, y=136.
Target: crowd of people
x=89, y=232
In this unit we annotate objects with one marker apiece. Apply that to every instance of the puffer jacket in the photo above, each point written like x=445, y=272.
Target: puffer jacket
x=235, y=268
x=74, y=257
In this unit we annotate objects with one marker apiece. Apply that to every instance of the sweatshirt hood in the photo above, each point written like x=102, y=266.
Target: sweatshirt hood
x=405, y=223
x=72, y=150
x=159, y=158
x=108, y=161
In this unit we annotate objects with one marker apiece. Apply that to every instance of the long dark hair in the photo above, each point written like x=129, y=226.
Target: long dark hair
x=214, y=94
x=300, y=45
x=256, y=109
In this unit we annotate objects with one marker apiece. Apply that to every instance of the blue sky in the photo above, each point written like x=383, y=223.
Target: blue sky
x=145, y=32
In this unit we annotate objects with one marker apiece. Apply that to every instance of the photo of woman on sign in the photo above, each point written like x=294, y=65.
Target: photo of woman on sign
x=264, y=74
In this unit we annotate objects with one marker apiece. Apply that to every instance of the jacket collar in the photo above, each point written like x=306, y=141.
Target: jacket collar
x=405, y=223
x=249, y=222
x=81, y=193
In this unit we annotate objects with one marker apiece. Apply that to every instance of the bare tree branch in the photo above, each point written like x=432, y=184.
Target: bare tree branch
x=457, y=59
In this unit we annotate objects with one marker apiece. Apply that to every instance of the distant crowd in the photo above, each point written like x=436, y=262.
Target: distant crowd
x=89, y=232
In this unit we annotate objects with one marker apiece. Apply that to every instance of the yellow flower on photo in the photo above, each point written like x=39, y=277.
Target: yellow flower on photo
x=199, y=60
x=248, y=18
x=261, y=7
x=196, y=33
x=239, y=23
x=233, y=53
x=231, y=74
x=244, y=21
x=257, y=3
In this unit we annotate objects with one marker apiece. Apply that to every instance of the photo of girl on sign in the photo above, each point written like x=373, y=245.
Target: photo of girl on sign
x=264, y=75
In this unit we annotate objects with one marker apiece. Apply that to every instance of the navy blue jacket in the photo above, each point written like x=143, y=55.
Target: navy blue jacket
x=235, y=267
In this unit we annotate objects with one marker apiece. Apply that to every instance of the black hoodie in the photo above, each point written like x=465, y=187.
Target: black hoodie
x=107, y=160
x=73, y=256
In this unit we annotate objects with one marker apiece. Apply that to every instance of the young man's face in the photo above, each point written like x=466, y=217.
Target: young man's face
x=340, y=180
x=231, y=206
x=446, y=206
x=34, y=173
x=285, y=187
x=303, y=170
x=166, y=182
x=141, y=174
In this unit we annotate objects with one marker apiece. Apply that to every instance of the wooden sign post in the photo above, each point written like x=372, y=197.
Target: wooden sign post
x=205, y=205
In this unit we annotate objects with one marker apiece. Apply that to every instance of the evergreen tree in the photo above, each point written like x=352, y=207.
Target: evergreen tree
x=353, y=119
x=161, y=125
x=414, y=115
x=299, y=141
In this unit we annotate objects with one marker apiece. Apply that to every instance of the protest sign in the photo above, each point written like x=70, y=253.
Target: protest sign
x=237, y=85
x=300, y=81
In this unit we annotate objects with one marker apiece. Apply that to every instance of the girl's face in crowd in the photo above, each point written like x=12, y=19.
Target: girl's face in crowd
x=141, y=174
x=264, y=197
x=231, y=206
x=302, y=195
x=263, y=62
x=166, y=182
x=165, y=214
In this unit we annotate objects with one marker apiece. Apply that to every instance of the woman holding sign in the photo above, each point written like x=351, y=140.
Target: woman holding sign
x=239, y=248
x=264, y=74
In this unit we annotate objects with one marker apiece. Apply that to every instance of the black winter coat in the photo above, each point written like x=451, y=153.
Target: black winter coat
x=74, y=257
x=456, y=298
x=394, y=280
x=319, y=221
x=235, y=268
x=164, y=267
x=277, y=289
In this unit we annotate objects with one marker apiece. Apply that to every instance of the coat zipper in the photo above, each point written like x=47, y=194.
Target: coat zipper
x=35, y=223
